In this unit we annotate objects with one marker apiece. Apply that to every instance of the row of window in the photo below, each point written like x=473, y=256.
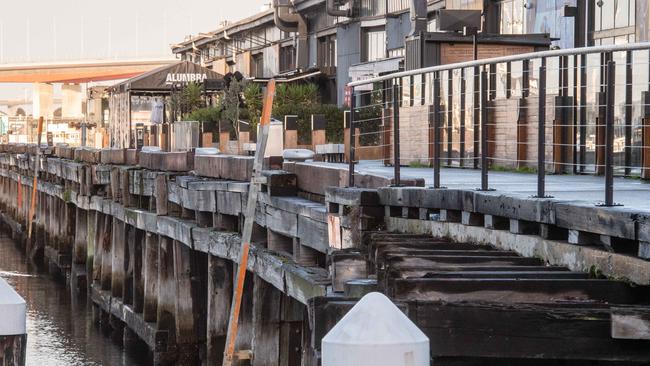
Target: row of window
x=614, y=22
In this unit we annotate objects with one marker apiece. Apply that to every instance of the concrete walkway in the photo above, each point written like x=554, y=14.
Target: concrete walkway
x=632, y=193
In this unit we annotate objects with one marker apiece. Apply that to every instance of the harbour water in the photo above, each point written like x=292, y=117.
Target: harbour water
x=60, y=327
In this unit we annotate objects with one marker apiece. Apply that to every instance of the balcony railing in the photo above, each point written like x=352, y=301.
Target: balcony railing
x=579, y=111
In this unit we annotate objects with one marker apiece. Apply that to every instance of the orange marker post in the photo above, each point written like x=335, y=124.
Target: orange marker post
x=249, y=218
x=37, y=163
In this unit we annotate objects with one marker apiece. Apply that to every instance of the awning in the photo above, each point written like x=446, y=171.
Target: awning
x=164, y=78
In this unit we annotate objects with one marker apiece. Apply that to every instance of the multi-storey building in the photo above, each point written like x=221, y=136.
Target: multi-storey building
x=332, y=42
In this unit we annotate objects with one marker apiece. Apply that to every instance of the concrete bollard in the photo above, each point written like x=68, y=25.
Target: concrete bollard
x=375, y=332
x=13, y=329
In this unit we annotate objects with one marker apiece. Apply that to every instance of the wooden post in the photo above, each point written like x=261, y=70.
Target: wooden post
x=106, y=256
x=138, y=271
x=150, y=277
x=220, y=282
x=244, y=136
x=19, y=195
x=129, y=259
x=78, y=275
x=118, y=247
x=266, y=320
x=98, y=251
x=185, y=308
x=81, y=225
x=290, y=132
x=160, y=194
x=166, y=302
x=318, y=133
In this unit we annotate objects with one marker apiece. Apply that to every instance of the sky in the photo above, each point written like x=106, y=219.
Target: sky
x=63, y=30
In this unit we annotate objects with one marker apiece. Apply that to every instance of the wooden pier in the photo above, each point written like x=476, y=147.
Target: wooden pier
x=153, y=239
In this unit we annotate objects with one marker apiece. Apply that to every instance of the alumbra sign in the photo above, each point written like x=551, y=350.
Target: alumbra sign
x=174, y=78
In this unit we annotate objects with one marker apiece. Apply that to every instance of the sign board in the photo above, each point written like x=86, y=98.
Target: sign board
x=347, y=96
x=163, y=78
x=184, y=78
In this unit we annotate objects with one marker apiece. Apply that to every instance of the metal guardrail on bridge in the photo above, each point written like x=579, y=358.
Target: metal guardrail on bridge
x=580, y=111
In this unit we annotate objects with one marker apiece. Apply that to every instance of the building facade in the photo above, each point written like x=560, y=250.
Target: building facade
x=333, y=42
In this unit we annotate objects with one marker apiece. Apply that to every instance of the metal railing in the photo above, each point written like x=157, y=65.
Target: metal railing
x=580, y=111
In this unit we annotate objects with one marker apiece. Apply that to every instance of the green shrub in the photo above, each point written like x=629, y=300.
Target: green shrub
x=301, y=100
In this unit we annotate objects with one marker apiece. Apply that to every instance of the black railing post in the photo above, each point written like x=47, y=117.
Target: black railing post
x=436, y=130
x=484, y=131
x=476, y=114
x=628, y=112
x=609, y=133
x=352, y=140
x=396, y=147
x=541, y=133
x=462, y=118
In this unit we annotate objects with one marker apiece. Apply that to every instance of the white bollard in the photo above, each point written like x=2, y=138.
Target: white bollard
x=375, y=332
x=297, y=154
x=206, y=151
x=151, y=149
x=13, y=325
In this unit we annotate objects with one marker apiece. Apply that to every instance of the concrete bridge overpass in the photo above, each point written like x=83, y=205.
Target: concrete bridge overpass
x=76, y=72
x=71, y=74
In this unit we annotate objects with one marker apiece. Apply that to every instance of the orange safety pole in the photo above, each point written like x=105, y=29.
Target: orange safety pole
x=37, y=163
x=249, y=218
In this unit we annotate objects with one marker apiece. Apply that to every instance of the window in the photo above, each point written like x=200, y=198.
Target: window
x=397, y=52
x=287, y=58
x=613, y=18
x=432, y=25
x=512, y=17
x=373, y=44
x=257, y=65
x=370, y=8
x=326, y=52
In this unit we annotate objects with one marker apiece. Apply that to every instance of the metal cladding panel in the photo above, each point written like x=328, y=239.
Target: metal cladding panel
x=348, y=53
x=397, y=29
x=413, y=60
x=420, y=53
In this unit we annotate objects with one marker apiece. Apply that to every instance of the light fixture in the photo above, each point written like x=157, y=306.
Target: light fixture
x=600, y=3
x=528, y=4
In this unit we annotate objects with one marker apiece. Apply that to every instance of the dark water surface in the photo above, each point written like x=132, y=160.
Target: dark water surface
x=60, y=329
